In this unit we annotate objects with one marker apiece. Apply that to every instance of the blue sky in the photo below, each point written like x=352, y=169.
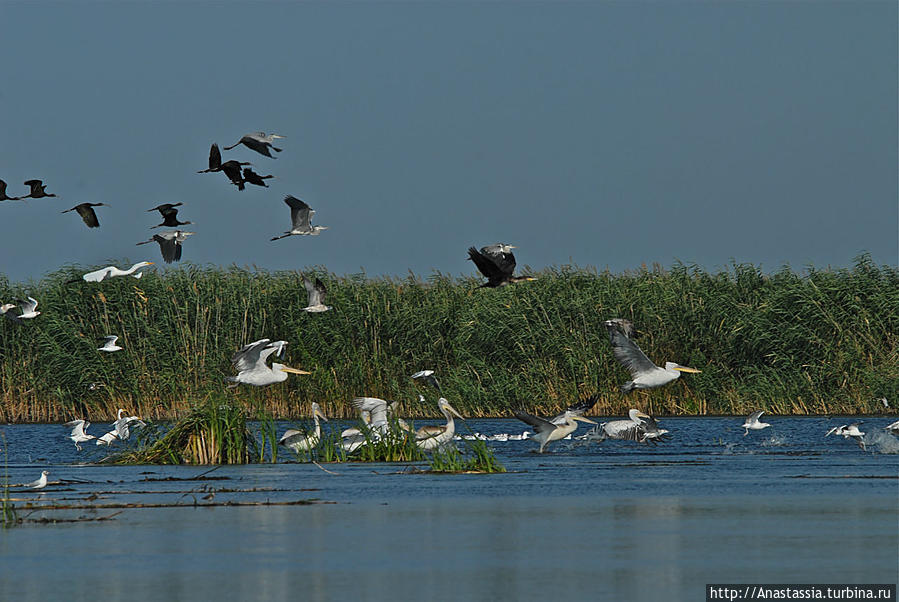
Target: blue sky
x=601, y=133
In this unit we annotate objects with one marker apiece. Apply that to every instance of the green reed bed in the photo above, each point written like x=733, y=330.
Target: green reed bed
x=478, y=459
x=815, y=341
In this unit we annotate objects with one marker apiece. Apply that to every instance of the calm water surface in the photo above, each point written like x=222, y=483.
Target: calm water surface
x=601, y=521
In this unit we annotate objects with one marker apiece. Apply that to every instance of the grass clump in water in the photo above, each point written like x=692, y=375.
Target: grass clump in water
x=480, y=460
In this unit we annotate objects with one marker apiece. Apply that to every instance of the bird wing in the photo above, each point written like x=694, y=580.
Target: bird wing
x=88, y=214
x=539, y=424
x=579, y=408
x=291, y=435
x=27, y=306
x=300, y=213
x=626, y=326
x=628, y=353
x=485, y=265
x=311, y=292
x=111, y=339
x=77, y=427
x=215, y=157
x=247, y=356
x=754, y=417
x=168, y=247
x=375, y=406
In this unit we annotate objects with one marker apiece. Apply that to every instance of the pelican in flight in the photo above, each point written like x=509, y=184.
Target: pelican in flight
x=300, y=217
x=111, y=271
x=251, y=177
x=849, y=431
x=300, y=440
x=28, y=310
x=109, y=344
x=645, y=374
x=560, y=426
x=428, y=377
x=87, y=213
x=38, y=190
x=429, y=438
x=316, y=296
x=250, y=361
x=40, y=483
x=258, y=142
x=638, y=427
x=496, y=262
x=169, y=243
x=79, y=432
x=169, y=213
x=753, y=423
x=3, y=196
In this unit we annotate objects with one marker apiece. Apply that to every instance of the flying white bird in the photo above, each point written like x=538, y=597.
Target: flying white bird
x=109, y=344
x=316, y=296
x=645, y=374
x=250, y=361
x=753, y=423
x=849, y=431
x=27, y=307
x=111, y=272
x=79, y=434
x=560, y=426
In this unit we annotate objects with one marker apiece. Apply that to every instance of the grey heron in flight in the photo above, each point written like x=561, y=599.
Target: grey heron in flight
x=250, y=362
x=645, y=374
x=38, y=190
x=169, y=213
x=3, y=196
x=429, y=438
x=496, y=262
x=560, y=426
x=300, y=217
x=258, y=142
x=315, y=293
x=87, y=213
x=251, y=177
x=169, y=244
x=752, y=422
x=301, y=440
x=109, y=344
x=111, y=272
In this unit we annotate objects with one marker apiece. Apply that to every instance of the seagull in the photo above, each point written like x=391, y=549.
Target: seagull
x=87, y=213
x=40, y=483
x=753, y=423
x=849, y=431
x=27, y=307
x=428, y=438
x=300, y=440
x=428, y=377
x=169, y=243
x=38, y=190
x=300, y=217
x=645, y=374
x=893, y=428
x=258, y=142
x=560, y=426
x=496, y=263
x=3, y=196
x=78, y=432
x=111, y=272
x=251, y=177
x=169, y=215
x=109, y=344
x=316, y=295
x=121, y=429
x=250, y=361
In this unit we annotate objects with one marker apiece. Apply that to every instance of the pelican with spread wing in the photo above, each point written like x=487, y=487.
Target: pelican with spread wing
x=560, y=426
x=644, y=373
x=252, y=369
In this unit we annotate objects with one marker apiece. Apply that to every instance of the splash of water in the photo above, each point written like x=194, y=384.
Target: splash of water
x=774, y=441
x=882, y=443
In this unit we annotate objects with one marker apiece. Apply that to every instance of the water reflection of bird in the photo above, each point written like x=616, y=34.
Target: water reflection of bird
x=645, y=374
x=753, y=423
x=301, y=440
x=431, y=437
x=560, y=426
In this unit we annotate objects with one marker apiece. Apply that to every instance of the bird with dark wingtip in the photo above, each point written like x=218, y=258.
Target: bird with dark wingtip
x=169, y=213
x=258, y=142
x=496, y=262
x=645, y=374
x=87, y=213
x=38, y=190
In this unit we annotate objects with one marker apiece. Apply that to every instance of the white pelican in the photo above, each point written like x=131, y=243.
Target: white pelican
x=79, y=434
x=111, y=272
x=428, y=438
x=316, y=296
x=258, y=142
x=496, y=262
x=547, y=430
x=40, y=483
x=109, y=344
x=636, y=428
x=753, y=423
x=849, y=431
x=87, y=213
x=645, y=374
x=252, y=369
x=301, y=440
x=893, y=428
x=300, y=219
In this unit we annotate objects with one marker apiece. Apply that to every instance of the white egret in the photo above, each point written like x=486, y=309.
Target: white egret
x=112, y=271
x=79, y=432
x=753, y=423
x=301, y=440
x=428, y=438
x=645, y=374
x=250, y=361
x=109, y=344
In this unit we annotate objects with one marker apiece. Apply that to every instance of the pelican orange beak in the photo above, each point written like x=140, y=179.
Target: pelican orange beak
x=453, y=410
x=293, y=370
x=685, y=369
x=582, y=419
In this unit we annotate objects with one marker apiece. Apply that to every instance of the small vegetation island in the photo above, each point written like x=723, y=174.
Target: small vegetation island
x=817, y=342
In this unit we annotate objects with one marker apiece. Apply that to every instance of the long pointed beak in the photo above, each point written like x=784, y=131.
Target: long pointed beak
x=321, y=415
x=685, y=369
x=151, y=262
x=293, y=370
x=453, y=410
x=582, y=419
x=277, y=136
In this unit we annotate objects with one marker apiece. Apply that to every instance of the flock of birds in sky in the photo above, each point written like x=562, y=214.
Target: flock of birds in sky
x=497, y=264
